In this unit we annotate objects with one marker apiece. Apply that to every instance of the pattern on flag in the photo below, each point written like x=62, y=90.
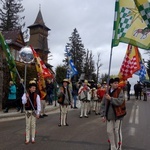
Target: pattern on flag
x=71, y=69
x=43, y=73
x=144, y=9
x=130, y=63
x=9, y=58
x=129, y=25
x=142, y=72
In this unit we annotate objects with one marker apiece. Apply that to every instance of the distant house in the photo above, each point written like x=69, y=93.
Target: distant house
x=38, y=40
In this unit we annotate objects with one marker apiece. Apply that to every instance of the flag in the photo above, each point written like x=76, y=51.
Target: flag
x=71, y=69
x=129, y=26
x=43, y=73
x=144, y=9
x=142, y=72
x=130, y=63
x=9, y=58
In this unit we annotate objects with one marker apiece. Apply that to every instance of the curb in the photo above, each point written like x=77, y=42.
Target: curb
x=15, y=114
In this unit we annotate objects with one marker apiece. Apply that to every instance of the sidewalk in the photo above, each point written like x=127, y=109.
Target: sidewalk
x=13, y=114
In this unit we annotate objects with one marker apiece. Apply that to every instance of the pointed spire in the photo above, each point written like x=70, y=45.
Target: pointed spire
x=39, y=18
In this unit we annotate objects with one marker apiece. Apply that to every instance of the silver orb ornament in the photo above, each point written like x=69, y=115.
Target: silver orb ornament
x=26, y=54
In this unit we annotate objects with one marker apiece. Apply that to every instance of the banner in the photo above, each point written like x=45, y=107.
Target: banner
x=43, y=73
x=131, y=63
x=71, y=69
x=9, y=58
x=129, y=26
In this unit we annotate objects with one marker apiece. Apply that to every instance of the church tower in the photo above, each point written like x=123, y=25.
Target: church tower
x=38, y=37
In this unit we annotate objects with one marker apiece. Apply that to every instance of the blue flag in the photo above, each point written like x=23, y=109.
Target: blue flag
x=71, y=69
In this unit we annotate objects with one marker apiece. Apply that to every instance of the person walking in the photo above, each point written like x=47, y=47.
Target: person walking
x=11, y=101
x=49, y=89
x=64, y=99
x=84, y=95
x=31, y=100
x=20, y=93
x=128, y=90
x=144, y=90
x=75, y=94
x=112, y=112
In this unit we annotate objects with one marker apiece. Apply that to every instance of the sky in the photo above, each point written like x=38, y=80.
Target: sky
x=94, y=21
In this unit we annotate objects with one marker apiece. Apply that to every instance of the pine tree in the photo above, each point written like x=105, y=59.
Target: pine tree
x=89, y=67
x=9, y=15
x=148, y=68
x=77, y=51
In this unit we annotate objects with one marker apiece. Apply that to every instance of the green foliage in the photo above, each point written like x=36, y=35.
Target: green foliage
x=77, y=52
x=9, y=15
x=60, y=73
x=148, y=68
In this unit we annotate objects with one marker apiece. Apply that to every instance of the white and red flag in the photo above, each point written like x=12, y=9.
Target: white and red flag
x=43, y=72
x=131, y=63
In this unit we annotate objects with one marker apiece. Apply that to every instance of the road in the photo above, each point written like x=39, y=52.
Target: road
x=82, y=133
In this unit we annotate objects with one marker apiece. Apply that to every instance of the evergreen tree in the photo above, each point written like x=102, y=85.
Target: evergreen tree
x=77, y=51
x=148, y=68
x=60, y=74
x=9, y=15
x=89, y=67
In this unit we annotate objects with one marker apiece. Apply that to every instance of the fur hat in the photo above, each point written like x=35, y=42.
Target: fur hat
x=32, y=83
x=112, y=80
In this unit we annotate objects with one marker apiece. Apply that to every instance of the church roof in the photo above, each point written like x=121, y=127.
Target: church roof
x=39, y=21
x=14, y=37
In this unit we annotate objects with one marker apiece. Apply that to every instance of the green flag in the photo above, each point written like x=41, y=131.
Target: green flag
x=9, y=57
x=129, y=25
x=144, y=9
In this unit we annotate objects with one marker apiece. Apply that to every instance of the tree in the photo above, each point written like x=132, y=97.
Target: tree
x=98, y=65
x=148, y=68
x=60, y=74
x=77, y=51
x=89, y=67
x=9, y=15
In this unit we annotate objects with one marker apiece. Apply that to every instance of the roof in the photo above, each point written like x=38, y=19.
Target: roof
x=14, y=37
x=39, y=21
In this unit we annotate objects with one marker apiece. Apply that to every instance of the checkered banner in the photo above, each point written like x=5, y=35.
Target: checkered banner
x=142, y=72
x=131, y=23
x=144, y=9
x=130, y=63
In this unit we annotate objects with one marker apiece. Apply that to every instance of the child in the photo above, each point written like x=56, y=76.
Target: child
x=32, y=110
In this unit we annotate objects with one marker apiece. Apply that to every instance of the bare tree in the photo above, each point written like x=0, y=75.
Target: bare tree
x=98, y=65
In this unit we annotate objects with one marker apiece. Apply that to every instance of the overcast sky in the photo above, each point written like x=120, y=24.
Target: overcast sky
x=93, y=20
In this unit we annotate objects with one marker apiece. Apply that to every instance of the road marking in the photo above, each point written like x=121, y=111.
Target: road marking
x=137, y=115
x=132, y=115
x=132, y=131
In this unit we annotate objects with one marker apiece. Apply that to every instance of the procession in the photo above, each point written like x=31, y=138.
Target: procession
x=98, y=97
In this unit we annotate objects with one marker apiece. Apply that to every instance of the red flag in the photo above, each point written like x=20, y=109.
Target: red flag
x=43, y=69
x=43, y=73
x=131, y=63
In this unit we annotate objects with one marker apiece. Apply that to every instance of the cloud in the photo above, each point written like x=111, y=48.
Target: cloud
x=93, y=20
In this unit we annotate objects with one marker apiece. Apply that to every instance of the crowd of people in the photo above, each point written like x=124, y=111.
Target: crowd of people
x=104, y=99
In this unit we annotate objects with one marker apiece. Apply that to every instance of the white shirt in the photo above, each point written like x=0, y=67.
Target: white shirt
x=24, y=101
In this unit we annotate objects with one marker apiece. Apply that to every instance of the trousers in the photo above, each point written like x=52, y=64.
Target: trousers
x=30, y=124
x=115, y=134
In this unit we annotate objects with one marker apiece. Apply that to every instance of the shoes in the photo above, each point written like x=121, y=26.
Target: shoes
x=41, y=116
x=59, y=125
x=45, y=115
x=5, y=111
x=81, y=116
x=33, y=141
x=26, y=142
x=86, y=116
x=67, y=124
x=75, y=107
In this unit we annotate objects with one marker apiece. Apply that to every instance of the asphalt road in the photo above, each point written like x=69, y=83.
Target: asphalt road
x=82, y=133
